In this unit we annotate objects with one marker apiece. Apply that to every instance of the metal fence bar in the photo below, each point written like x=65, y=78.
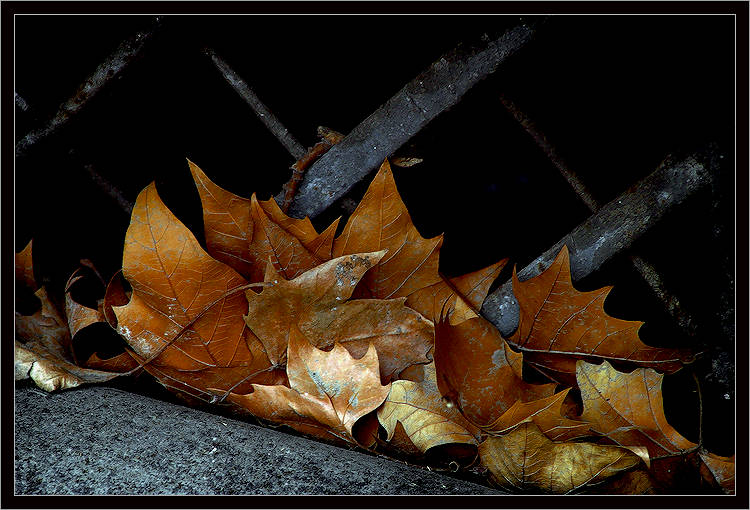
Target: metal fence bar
x=296, y=149
x=112, y=66
x=645, y=269
x=607, y=233
x=439, y=87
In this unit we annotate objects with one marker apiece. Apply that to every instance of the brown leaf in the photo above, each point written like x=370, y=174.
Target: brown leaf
x=638, y=481
x=381, y=221
x=47, y=327
x=185, y=311
x=719, y=471
x=525, y=460
x=425, y=417
x=79, y=316
x=477, y=370
x=50, y=372
x=628, y=408
x=25, y=267
x=114, y=295
x=558, y=325
x=459, y=298
x=316, y=303
x=547, y=414
x=123, y=362
x=244, y=233
x=329, y=392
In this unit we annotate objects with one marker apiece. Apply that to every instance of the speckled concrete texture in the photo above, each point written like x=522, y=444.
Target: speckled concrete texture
x=101, y=440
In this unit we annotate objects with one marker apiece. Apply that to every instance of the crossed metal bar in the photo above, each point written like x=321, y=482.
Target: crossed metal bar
x=610, y=230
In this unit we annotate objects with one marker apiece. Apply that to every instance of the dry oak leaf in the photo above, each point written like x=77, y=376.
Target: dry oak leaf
x=425, y=417
x=328, y=395
x=316, y=303
x=477, y=370
x=410, y=268
x=244, y=233
x=25, y=268
x=524, y=459
x=547, y=414
x=184, y=318
x=558, y=325
x=46, y=356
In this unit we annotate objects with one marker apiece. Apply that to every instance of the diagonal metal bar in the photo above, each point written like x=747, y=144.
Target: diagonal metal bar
x=644, y=268
x=439, y=87
x=611, y=230
x=112, y=66
x=266, y=116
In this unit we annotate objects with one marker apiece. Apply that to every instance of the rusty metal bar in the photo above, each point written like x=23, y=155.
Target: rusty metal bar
x=439, y=87
x=645, y=269
x=607, y=233
x=296, y=149
x=112, y=66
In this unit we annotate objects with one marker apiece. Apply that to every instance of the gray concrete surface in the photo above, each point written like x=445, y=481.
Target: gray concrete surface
x=101, y=440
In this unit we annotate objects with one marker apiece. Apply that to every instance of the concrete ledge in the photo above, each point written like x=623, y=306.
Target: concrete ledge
x=100, y=440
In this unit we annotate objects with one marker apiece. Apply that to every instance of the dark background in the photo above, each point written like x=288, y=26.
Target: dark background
x=614, y=94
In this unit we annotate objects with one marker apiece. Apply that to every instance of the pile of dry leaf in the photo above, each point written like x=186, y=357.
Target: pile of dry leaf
x=359, y=339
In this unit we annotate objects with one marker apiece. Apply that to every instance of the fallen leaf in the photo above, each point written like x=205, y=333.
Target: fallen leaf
x=114, y=295
x=46, y=355
x=524, y=459
x=459, y=298
x=478, y=371
x=51, y=373
x=184, y=318
x=329, y=393
x=79, y=316
x=558, y=325
x=123, y=362
x=628, y=408
x=381, y=221
x=47, y=327
x=719, y=471
x=244, y=233
x=316, y=303
x=547, y=414
x=425, y=417
x=638, y=481
x=25, y=267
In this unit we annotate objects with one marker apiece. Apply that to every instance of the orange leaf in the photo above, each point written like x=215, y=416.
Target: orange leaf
x=477, y=370
x=410, y=268
x=316, y=303
x=379, y=222
x=185, y=311
x=244, y=233
x=459, y=298
x=547, y=414
x=558, y=324
x=329, y=392
x=628, y=408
